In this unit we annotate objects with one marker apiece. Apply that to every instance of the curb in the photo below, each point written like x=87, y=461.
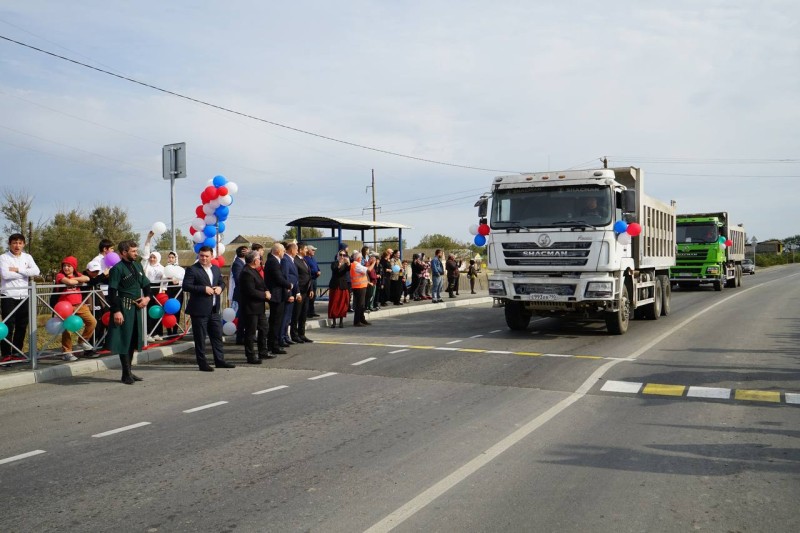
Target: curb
x=110, y=362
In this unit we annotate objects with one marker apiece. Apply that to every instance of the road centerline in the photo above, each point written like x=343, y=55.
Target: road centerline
x=207, y=406
x=120, y=430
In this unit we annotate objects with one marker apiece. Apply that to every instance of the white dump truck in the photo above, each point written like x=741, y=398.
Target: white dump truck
x=563, y=244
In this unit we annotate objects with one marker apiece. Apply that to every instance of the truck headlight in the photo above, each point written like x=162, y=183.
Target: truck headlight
x=599, y=289
x=713, y=270
x=496, y=287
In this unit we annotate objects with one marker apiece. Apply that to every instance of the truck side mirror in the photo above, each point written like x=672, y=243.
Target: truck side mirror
x=483, y=205
x=628, y=201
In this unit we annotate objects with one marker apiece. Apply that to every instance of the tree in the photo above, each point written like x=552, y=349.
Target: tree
x=438, y=240
x=390, y=242
x=16, y=209
x=67, y=233
x=111, y=222
x=181, y=241
x=308, y=233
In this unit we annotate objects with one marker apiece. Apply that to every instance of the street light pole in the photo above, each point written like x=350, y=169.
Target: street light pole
x=754, y=243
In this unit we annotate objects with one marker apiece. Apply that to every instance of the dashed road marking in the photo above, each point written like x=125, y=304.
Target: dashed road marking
x=399, y=351
x=758, y=395
x=326, y=375
x=455, y=341
x=709, y=392
x=496, y=331
x=279, y=387
x=367, y=360
x=663, y=390
x=621, y=386
x=792, y=398
x=120, y=430
x=713, y=393
x=208, y=406
x=21, y=456
x=476, y=336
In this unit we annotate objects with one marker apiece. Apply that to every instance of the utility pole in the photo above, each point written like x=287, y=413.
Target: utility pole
x=374, y=230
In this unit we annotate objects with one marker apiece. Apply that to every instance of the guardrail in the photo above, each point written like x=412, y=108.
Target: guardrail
x=43, y=340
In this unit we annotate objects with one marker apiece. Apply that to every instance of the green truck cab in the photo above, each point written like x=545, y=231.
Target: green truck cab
x=709, y=251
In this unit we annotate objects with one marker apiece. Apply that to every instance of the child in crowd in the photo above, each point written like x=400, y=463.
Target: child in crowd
x=71, y=293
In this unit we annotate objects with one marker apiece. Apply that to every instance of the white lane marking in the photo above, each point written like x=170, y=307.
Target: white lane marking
x=621, y=386
x=709, y=392
x=557, y=355
x=455, y=342
x=792, y=397
x=329, y=374
x=209, y=406
x=279, y=387
x=21, y=456
x=446, y=349
x=120, y=430
x=476, y=336
x=396, y=346
x=427, y=496
x=398, y=351
x=496, y=331
x=367, y=360
x=498, y=351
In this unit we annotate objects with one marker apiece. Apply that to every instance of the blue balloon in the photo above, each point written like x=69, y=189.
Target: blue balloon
x=480, y=240
x=211, y=241
x=219, y=181
x=222, y=212
x=395, y=268
x=172, y=306
x=722, y=240
x=210, y=231
x=220, y=226
x=198, y=246
x=620, y=226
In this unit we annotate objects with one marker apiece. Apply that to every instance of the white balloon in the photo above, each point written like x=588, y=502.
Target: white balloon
x=159, y=228
x=624, y=239
x=225, y=200
x=208, y=209
x=198, y=224
x=210, y=220
x=722, y=246
x=232, y=187
x=229, y=328
x=473, y=229
x=228, y=314
x=174, y=271
x=214, y=202
x=220, y=249
x=210, y=182
x=198, y=237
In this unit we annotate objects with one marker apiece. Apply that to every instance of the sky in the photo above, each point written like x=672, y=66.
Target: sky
x=703, y=96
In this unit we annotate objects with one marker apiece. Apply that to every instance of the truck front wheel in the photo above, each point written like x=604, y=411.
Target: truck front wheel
x=517, y=317
x=617, y=321
x=720, y=283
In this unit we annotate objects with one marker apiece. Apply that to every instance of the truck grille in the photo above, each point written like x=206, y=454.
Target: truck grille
x=536, y=288
x=557, y=254
x=698, y=255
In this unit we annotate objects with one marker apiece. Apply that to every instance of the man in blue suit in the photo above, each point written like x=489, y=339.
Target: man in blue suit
x=278, y=287
x=233, y=291
x=289, y=270
x=203, y=282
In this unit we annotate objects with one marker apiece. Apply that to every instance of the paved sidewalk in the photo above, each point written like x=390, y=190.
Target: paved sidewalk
x=20, y=375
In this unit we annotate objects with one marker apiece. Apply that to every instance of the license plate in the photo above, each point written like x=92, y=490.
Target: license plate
x=543, y=297
x=685, y=274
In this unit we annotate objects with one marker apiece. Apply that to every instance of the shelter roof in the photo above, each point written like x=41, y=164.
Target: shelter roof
x=344, y=223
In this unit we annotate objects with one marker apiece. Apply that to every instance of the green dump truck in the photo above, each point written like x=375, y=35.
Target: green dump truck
x=710, y=251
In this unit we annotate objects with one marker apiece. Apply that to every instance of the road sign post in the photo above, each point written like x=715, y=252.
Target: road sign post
x=173, y=164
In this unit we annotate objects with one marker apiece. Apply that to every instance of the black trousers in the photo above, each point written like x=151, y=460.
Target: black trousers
x=299, y=317
x=211, y=326
x=255, y=326
x=275, y=321
x=358, y=305
x=17, y=324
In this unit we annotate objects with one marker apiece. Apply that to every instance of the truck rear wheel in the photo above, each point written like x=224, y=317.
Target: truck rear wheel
x=517, y=317
x=666, y=295
x=617, y=321
x=653, y=311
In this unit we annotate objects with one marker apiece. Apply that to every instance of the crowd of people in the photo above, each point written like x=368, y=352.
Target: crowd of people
x=282, y=279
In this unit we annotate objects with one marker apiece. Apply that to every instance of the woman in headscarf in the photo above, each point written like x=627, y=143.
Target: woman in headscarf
x=173, y=278
x=339, y=295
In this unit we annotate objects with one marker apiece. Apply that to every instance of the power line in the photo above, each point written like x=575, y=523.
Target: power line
x=246, y=115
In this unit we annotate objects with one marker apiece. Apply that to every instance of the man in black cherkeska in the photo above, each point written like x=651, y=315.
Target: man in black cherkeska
x=128, y=294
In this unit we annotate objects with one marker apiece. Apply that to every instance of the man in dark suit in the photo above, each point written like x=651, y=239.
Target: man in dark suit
x=304, y=294
x=278, y=287
x=233, y=296
x=203, y=282
x=253, y=297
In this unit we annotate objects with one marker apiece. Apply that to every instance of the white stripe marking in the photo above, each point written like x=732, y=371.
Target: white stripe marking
x=446, y=349
x=398, y=351
x=496, y=331
x=396, y=346
x=621, y=386
x=709, y=392
x=21, y=456
x=498, y=351
x=279, y=387
x=120, y=430
x=367, y=360
x=792, y=397
x=455, y=342
x=556, y=355
x=476, y=336
x=329, y=374
x=209, y=406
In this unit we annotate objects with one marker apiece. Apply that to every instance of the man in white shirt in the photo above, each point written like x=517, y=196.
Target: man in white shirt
x=16, y=269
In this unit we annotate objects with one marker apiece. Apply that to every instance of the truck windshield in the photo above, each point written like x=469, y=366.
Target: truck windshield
x=702, y=232
x=551, y=206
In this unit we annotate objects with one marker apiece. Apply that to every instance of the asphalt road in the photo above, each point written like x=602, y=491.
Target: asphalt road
x=438, y=421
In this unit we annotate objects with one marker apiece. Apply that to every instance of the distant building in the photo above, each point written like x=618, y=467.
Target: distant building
x=264, y=240
x=773, y=246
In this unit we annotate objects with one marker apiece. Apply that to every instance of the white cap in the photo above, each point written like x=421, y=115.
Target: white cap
x=94, y=266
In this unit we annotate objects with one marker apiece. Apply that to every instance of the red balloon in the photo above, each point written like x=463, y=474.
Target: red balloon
x=191, y=230
x=199, y=211
x=106, y=318
x=222, y=191
x=484, y=229
x=169, y=321
x=63, y=309
x=204, y=198
x=634, y=229
x=236, y=321
x=728, y=243
x=215, y=262
x=211, y=192
x=220, y=261
x=162, y=297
